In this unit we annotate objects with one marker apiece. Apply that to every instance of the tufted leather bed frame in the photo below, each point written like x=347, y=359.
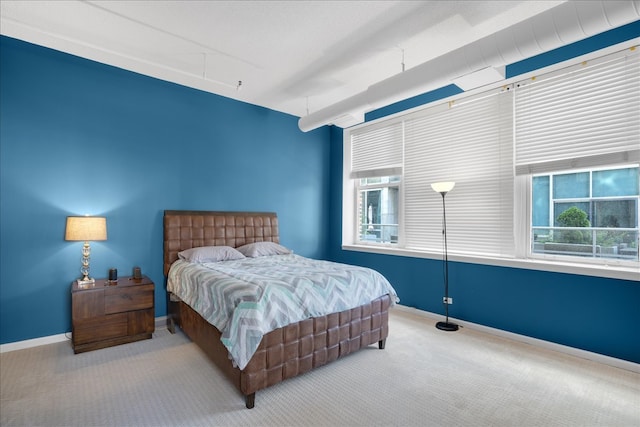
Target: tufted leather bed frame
x=285, y=352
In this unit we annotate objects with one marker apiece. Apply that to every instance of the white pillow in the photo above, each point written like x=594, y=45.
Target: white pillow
x=210, y=254
x=257, y=249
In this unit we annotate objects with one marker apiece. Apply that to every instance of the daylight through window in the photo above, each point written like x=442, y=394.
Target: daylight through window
x=587, y=214
x=545, y=168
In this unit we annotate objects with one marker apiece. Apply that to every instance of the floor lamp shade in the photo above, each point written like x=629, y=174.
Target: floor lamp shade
x=443, y=188
x=86, y=228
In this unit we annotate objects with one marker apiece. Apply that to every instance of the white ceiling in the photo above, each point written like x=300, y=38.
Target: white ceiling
x=292, y=56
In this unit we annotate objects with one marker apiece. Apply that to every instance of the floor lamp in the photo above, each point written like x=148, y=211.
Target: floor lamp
x=443, y=188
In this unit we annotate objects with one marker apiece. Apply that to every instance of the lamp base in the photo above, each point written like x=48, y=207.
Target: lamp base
x=447, y=326
x=88, y=281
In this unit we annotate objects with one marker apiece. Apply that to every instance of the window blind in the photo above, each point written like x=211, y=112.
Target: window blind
x=471, y=143
x=580, y=117
x=377, y=150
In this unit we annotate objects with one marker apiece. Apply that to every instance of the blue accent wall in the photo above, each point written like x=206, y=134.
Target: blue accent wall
x=78, y=137
x=590, y=313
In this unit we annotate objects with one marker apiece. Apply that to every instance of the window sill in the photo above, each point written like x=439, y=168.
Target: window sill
x=606, y=271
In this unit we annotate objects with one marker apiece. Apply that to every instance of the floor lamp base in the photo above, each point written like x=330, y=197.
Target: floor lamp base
x=447, y=326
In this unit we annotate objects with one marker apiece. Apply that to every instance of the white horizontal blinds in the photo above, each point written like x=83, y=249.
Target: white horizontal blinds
x=469, y=143
x=376, y=150
x=583, y=116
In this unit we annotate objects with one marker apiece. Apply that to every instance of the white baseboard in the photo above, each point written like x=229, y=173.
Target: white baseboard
x=19, y=345
x=584, y=354
x=160, y=323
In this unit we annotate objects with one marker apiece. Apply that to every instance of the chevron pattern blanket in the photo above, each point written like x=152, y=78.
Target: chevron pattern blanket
x=248, y=298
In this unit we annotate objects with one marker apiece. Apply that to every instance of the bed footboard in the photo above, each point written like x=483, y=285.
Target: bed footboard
x=291, y=350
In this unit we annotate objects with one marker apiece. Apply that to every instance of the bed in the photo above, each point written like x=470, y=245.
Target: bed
x=292, y=349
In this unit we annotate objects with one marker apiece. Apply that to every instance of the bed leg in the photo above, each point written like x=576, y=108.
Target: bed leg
x=250, y=400
x=173, y=312
x=381, y=343
x=171, y=325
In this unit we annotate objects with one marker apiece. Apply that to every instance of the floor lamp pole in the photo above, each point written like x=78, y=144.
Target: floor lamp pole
x=446, y=325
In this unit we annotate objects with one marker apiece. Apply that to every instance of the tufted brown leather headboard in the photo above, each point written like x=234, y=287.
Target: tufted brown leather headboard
x=192, y=229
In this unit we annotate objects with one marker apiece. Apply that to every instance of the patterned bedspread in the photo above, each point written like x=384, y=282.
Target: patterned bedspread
x=245, y=299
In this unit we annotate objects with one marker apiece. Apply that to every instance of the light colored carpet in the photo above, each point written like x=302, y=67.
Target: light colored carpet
x=424, y=377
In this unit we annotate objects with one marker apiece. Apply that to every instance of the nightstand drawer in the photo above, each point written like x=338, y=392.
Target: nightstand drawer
x=100, y=328
x=118, y=300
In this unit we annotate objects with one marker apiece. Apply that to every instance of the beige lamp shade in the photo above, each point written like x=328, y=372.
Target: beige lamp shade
x=86, y=228
x=443, y=187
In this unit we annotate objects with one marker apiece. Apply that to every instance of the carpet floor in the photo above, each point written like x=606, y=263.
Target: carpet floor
x=424, y=377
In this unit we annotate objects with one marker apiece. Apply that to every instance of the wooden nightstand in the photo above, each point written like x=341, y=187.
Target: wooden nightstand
x=103, y=314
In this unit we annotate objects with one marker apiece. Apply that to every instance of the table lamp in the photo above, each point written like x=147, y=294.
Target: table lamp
x=86, y=228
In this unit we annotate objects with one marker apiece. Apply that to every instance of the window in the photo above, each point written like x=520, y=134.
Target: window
x=469, y=142
x=590, y=213
x=375, y=166
x=545, y=167
x=378, y=202
x=570, y=125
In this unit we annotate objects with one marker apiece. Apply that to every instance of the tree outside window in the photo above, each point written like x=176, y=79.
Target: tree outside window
x=587, y=213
